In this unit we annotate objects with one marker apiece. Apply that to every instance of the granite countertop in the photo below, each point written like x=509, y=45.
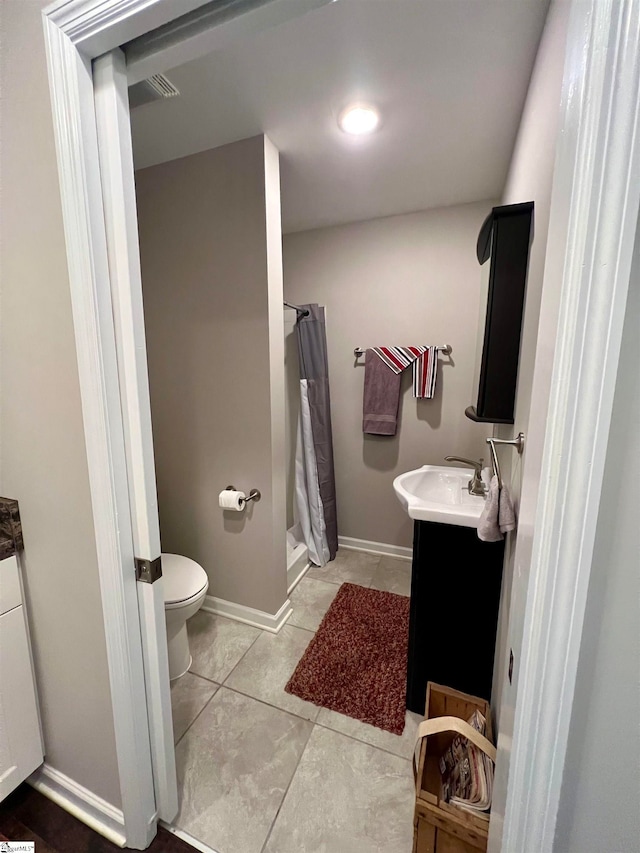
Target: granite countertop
x=10, y=528
x=7, y=548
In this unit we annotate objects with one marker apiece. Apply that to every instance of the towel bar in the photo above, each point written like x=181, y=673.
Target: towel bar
x=517, y=442
x=358, y=351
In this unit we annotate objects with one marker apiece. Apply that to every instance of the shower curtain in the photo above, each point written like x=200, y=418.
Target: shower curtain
x=315, y=478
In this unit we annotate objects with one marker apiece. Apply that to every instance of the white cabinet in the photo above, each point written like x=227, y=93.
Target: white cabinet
x=20, y=740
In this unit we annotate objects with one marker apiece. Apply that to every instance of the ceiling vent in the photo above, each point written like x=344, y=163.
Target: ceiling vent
x=155, y=88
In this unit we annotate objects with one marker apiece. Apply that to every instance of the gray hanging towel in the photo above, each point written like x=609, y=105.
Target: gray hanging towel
x=316, y=408
x=381, y=398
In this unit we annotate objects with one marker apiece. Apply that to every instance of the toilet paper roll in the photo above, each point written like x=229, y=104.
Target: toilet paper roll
x=229, y=499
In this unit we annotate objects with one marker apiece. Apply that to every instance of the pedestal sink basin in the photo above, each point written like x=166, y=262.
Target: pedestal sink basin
x=438, y=493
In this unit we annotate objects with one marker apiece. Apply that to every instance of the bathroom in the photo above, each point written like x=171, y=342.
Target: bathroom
x=251, y=196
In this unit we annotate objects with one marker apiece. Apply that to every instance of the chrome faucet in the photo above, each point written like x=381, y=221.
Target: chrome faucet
x=475, y=486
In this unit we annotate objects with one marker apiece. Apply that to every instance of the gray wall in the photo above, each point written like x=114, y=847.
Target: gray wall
x=399, y=280
x=43, y=460
x=600, y=803
x=530, y=178
x=216, y=362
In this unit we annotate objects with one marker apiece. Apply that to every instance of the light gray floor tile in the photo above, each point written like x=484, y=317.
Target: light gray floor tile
x=310, y=601
x=346, y=797
x=268, y=665
x=401, y=745
x=348, y=567
x=234, y=765
x=189, y=695
x=393, y=575
x=217, y=644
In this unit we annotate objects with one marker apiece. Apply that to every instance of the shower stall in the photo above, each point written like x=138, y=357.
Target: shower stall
x=297, y=551
x=311, y=493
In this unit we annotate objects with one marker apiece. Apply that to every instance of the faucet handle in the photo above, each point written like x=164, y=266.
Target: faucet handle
x=475, y=485
x=472, y=462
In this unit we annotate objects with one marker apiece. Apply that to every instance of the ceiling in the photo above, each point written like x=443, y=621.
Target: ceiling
x=448, y=76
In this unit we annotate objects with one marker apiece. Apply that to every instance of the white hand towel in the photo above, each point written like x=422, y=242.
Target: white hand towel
x=506, y=512
x=488, y=527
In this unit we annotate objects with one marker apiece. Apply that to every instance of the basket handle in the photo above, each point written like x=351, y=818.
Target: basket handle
x=435, y=725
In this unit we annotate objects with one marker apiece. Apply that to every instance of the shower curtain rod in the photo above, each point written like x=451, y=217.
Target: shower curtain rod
x=303, y=311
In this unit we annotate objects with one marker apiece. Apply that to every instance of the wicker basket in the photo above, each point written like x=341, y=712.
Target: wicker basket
x=438, y=826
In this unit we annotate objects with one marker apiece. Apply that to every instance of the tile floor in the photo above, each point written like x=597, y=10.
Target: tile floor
x=261, y=771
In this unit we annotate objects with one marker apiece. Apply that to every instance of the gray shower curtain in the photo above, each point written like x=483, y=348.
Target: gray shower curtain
x=315, y=478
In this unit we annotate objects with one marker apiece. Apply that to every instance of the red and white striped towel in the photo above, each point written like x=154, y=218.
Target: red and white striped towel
x=425, y=364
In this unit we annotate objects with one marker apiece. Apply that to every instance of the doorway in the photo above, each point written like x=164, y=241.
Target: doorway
x=372, y=251
x=92, y=306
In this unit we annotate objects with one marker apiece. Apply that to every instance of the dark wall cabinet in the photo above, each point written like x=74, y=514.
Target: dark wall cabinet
x=455, y=598
x=504, y=238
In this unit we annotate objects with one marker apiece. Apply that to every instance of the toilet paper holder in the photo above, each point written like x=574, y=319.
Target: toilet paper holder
x=254, y=494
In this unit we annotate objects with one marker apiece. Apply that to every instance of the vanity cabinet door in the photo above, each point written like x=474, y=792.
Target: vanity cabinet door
x=455, y=599
x=20, y=741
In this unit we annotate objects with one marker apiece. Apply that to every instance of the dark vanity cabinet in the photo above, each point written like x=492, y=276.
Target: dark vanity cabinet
x=504, y=238
x=454, y=611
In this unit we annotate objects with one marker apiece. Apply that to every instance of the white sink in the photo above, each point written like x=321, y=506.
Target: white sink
x=439, y=493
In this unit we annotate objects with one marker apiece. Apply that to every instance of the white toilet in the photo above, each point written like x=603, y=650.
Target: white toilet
x=185, y=586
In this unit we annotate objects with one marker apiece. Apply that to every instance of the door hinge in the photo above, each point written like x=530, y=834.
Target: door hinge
x=148, y=571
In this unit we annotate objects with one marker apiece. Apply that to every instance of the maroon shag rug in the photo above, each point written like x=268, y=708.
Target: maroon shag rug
x=356, y=663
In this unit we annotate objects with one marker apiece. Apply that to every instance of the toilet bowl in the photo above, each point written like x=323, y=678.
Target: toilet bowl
x=185, y=587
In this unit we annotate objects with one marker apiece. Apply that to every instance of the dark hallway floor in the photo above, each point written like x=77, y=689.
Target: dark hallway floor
x=27, y=815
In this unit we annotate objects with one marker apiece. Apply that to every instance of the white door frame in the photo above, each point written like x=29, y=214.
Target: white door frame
x=600, y=172
x=91, y=123
x=594, y=211
x=121, y=226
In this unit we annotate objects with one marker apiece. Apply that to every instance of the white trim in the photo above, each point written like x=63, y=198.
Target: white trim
x=598, y=167
x=121, y=226
x=121, y=221
x=188, y=838
x=214, y=29
x=258, y=618
x=400, y=552
x=295, y=573
x=83, y=215
x=98, y=26
x=84, y=805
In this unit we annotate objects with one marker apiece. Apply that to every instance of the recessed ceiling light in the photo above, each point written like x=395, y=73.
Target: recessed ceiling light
x=359, y=119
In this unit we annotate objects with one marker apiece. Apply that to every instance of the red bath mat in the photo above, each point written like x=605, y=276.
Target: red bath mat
x=356, y=663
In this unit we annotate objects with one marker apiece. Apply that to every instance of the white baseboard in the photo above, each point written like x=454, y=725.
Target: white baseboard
x=295, y=574
x=83, y=804
x=272, y=622
x=188, y=838
x=397, y=551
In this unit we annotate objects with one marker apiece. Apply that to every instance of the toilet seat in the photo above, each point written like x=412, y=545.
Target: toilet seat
x=183, y=580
